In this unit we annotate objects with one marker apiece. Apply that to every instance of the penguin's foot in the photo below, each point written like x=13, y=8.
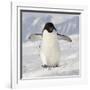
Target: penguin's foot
x=49, y=66
x=55, y=66
x=45, y=66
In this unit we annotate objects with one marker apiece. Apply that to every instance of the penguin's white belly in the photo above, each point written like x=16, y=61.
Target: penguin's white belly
x=50, y=51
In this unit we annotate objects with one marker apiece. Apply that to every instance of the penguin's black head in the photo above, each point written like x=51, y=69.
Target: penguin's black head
x=49, y=27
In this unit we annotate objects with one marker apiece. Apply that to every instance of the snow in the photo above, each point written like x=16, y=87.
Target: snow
x=69, y=60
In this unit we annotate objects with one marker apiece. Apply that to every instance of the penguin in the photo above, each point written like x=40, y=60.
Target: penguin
x=49, y=50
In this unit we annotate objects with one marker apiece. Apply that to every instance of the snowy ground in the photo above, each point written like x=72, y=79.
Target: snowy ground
x=69, y=60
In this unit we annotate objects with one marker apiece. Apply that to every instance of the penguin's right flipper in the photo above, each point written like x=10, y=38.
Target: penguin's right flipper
x=35, y=37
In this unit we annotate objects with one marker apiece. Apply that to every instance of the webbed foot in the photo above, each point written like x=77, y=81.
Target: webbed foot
x=44, y=66
x=48, y=66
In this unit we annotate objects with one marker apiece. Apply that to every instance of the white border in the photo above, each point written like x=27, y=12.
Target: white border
x=15, y=80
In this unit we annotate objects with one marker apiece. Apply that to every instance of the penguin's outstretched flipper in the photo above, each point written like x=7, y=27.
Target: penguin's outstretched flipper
x=64, y=37
x=35, y=37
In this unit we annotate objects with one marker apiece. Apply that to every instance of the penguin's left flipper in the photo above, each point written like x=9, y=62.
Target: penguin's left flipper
x=64, y=37
x=35, y=37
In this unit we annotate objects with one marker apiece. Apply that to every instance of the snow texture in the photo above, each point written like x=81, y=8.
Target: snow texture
x=69, y=60
x=65, y=24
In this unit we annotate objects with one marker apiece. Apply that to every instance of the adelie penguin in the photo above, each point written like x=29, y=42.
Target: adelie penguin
x=49, y=49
